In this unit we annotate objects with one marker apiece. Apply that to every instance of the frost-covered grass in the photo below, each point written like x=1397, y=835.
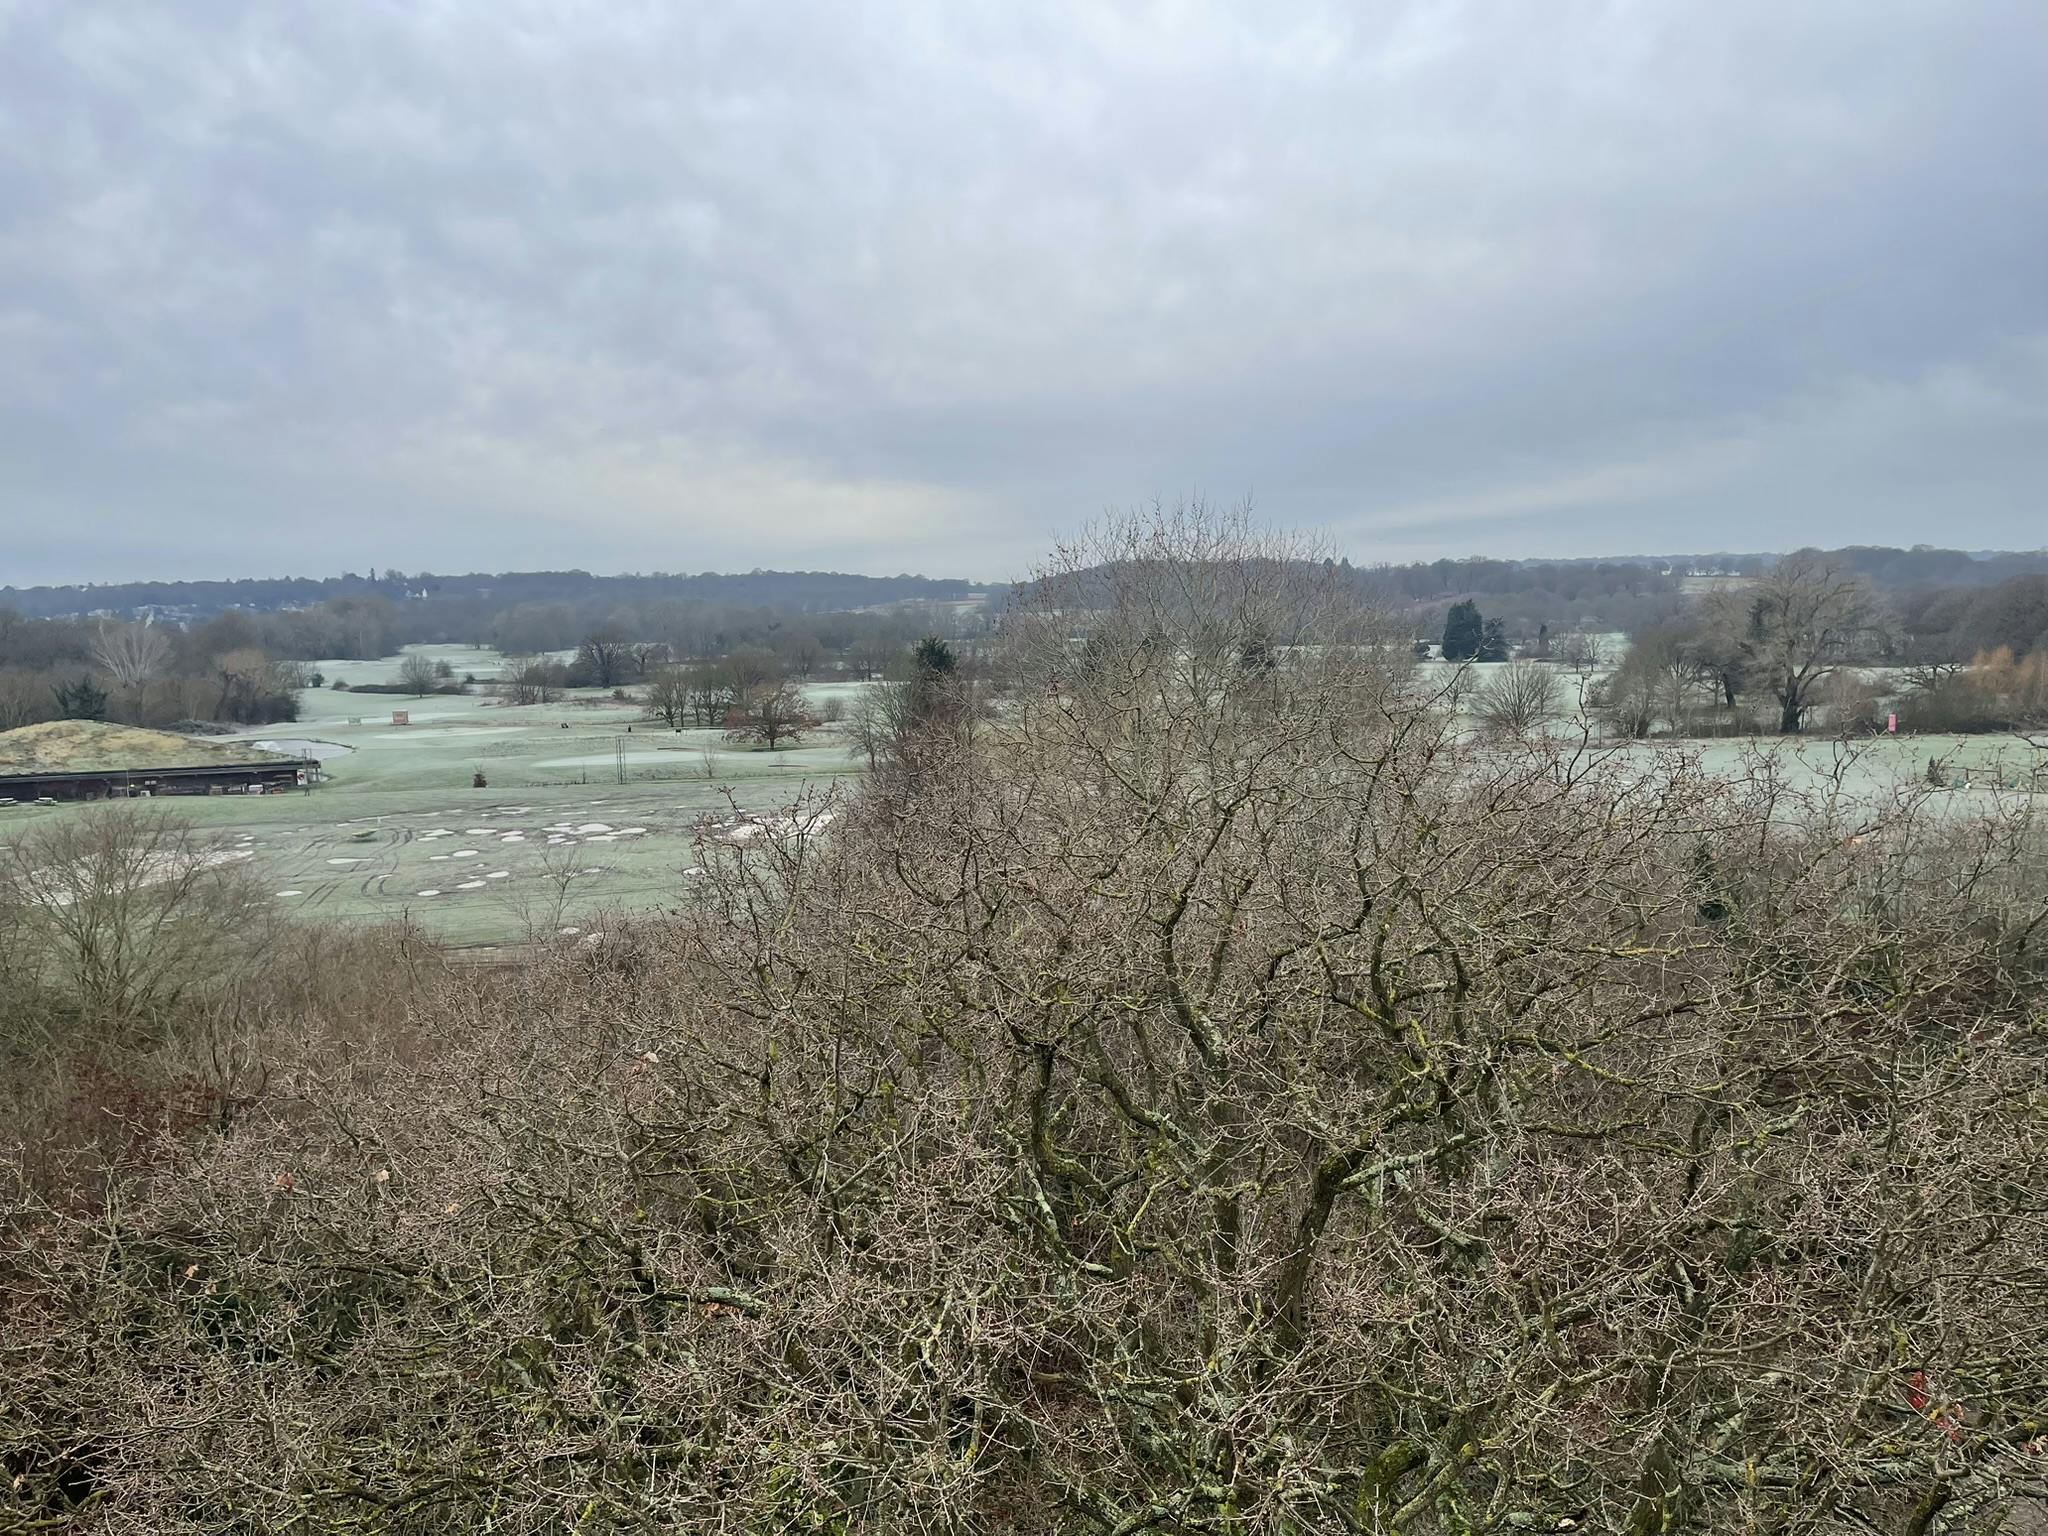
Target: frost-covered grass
x=480, y=660
x=398, y=829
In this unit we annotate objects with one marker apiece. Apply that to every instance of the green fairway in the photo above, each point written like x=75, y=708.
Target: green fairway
x=399, y=829
x=589, y=808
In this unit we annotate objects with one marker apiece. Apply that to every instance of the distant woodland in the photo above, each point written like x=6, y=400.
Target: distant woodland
x=460, y=598
x=160, y=653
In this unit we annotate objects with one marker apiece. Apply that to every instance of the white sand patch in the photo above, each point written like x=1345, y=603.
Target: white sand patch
x=499, y=874
x=291, y=893
x=470, y=885
x=345, y=861
x=44, y=888
x=569, y=930
x=594, y=826
x=463, y=853
x=426, y=893
x=412, y=736
x=478, y=831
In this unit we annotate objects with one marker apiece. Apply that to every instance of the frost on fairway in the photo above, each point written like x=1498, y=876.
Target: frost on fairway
x=405, y=805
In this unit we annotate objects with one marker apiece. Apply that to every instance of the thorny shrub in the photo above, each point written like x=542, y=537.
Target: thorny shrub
x=1213, y=1098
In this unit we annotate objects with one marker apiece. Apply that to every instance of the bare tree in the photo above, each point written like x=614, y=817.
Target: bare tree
x=711, y=692
x=749, y=668
x=534, y=680
x=416, y=674
x=1626, y=701
x=1802, y=619
x=541, y=900
x=243, y=675
x=873, y=651
x=24, y=698
x=132, y=654
x=668, y=697
x=771, y=714
x=801, y=652
x=1714, y=637
x=1583, y=655
x=131, y=910
x=1661, y=674
x=879, y=722
x=1516, y=699
x=604, y=656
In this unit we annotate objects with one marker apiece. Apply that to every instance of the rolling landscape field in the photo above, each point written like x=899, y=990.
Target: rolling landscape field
x=589, y=807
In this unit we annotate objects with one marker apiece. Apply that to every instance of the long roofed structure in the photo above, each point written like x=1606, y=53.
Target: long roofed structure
x=92, y=760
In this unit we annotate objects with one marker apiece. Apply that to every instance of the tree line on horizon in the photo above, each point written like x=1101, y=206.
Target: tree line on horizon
x=798, y=591
x=245, y=666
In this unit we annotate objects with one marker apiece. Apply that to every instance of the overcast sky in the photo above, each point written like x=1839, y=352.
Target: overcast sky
x=488, y=284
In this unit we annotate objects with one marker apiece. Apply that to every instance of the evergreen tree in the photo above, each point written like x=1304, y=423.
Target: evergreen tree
x=82, y=700
x=931, y=694
x=1463, y=630
x=1493, y=640
x=934, y=655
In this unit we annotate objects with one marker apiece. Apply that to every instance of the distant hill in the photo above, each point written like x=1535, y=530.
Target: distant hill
x=1572, y=579
x=1921, y=565
x=804, y=591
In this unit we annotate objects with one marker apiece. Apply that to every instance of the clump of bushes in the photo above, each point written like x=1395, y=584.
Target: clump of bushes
x=1994, y=693
x=1218, y=1099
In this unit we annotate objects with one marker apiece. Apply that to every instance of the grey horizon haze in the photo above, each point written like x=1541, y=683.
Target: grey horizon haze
x=459, y=286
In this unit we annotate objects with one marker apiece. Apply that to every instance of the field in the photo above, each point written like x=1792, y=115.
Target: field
x=1978, y=768
x=555, y=839
x=590, y=808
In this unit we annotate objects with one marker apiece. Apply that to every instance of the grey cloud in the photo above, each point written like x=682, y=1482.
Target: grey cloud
x=462, y=284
